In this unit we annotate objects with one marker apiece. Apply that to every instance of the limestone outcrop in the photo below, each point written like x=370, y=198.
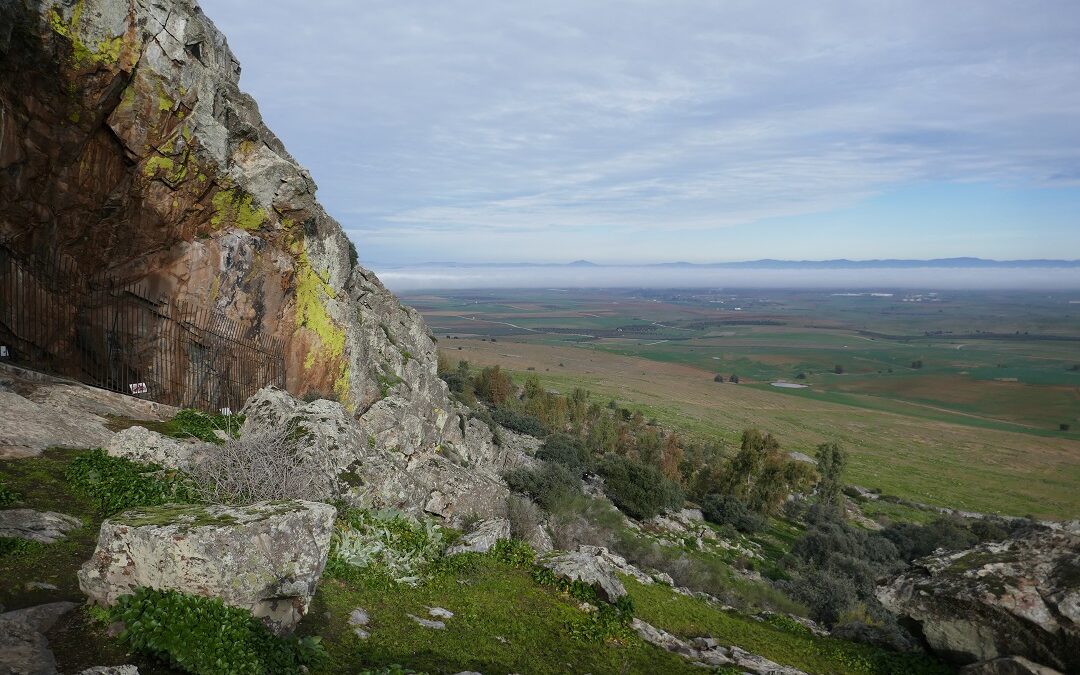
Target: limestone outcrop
x=139, y=444
x=371, y=474
x=46, y=527
x=591, y=565
x=23, y=647
x=483, y=537
x=1019, y=597
x=266, y=558
x=127, y=146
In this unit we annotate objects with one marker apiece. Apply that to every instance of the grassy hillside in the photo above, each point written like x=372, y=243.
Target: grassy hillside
x=921, y=453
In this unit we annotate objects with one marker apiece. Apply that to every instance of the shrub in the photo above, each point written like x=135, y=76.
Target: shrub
x=520, y=422
x=116, y=483
x=493, y=385
x=201, y=425
x=546, y=485
x=827, y=595
x=915, y=541
x=524, y=516
x=567, y=451
x=206, y=637
x=514, y=552
x=384, y=545
x=727, y=510
x=639, y=490
x=268, y=465
x=7, y=495
x=1064, y=426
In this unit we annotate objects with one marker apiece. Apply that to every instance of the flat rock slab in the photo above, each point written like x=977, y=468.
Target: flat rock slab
x=47, y=527
x=139, y=444
x=266, y=558
x=23, y=647
x=428, y=623
x=484, y=536
x=1011, y=665
x=588, y=564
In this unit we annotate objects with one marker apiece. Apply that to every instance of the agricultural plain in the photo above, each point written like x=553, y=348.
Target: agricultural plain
x=966, y=400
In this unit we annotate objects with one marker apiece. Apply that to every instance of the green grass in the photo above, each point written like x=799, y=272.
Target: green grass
x=897, y=513
x=41, y=485
x=503, y=622
x=693, y=617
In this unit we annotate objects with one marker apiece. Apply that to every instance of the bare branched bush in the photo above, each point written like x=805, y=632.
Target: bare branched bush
x=524, y=516
x=264, y=466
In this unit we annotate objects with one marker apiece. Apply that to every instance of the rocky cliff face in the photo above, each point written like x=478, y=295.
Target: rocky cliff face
x=1018, y=597
x=126, y=144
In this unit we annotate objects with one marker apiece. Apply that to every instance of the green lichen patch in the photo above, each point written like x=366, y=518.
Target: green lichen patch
x=235, y=207
x=187, y=515
x=312, y=293
x=106, y=51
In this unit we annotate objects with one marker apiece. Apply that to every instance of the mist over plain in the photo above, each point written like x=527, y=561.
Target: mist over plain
x=403, y=279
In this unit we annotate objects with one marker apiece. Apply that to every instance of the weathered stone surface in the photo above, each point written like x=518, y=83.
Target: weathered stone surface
x=369, y=474
x=1009, y=665
x=539, y=538
x=588, y=564
x=126, y=144
x=266, y=558
x=483, y=536
x=24, y=650
x=708, y=651
x=47, y=527
x=428, y=623
x=42, y=412
x=139, y=444
x=1020, y=597
x=111, y=670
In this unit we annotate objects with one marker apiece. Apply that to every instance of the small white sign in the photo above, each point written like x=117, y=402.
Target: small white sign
x=138, y=388
x=226, y=411
x=4, y=353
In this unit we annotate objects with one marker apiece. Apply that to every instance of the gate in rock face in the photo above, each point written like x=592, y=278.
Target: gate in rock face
x=123, y=337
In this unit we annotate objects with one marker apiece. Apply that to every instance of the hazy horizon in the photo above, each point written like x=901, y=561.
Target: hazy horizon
x=425, y=277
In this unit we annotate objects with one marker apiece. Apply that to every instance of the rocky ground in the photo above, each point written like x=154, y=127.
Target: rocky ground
x=1009, y=606
x=269, y=560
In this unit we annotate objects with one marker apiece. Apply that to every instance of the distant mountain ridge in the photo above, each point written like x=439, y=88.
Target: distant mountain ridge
x=769, y=263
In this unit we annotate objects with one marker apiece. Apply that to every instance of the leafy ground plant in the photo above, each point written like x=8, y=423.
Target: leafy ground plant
x=206, y=637
x=384, y=545
x=7, y=495
x=115, y=483
x=203, y=426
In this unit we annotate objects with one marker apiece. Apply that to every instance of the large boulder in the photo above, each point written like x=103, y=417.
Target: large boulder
x=23, y=647
x=591, y=565
x=483, y=537
x=266, y=558
x=46, y=527
x=368, y=473
x=1019, y=597
x=140, y=444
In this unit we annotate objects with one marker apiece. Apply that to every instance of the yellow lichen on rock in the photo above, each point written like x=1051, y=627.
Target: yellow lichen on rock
x=236, y=208
x=312, y=292
x=107, y=49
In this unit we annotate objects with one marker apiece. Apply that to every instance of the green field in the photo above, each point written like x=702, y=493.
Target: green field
x=954, y=399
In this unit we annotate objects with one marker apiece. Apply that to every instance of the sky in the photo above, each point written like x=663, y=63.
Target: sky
x=630, y=131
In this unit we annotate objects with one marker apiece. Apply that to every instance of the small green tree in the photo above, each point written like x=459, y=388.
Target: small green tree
x=831, y=461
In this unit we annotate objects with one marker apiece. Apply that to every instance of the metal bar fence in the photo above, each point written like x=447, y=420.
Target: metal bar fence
x=115, y=335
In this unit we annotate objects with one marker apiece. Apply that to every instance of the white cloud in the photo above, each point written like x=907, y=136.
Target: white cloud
x=615, y=116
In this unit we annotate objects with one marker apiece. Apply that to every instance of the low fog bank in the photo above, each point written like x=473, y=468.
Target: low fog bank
x=403, y=279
